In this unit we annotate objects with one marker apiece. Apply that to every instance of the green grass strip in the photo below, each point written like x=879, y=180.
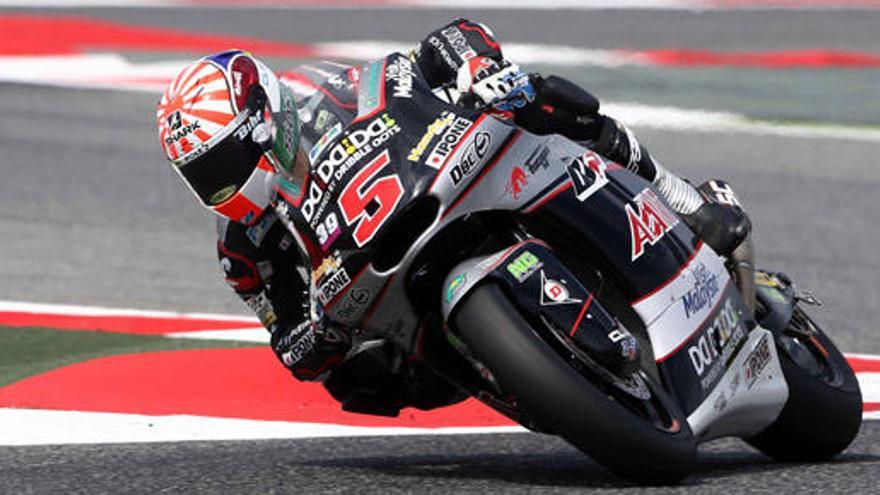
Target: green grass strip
x=26, y=352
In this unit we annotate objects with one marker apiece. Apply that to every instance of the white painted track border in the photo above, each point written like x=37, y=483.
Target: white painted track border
x=46, y=427
x=690, y=5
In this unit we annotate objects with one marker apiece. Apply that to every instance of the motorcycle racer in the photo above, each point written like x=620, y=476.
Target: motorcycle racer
x=243, y=141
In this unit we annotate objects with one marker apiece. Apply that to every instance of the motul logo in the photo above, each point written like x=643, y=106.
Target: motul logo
x=649, y=221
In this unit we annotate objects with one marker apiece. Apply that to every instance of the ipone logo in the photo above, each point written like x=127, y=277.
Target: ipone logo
x=448, y=141
x=333, y=286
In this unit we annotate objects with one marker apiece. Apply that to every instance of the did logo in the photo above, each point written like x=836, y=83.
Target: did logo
x=554, y=292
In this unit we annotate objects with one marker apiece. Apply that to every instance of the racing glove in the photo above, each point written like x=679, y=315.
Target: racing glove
x=311, y=349
x=560, y=107
x=484, y=82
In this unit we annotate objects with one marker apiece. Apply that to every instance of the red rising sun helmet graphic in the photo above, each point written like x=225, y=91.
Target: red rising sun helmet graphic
x=218, y=123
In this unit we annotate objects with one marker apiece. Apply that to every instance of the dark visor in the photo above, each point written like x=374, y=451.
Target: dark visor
x=222, y=170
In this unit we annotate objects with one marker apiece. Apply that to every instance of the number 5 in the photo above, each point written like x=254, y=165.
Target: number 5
x=354, y=199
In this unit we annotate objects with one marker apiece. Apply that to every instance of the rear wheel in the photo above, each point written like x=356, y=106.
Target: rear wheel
x=824, y=409
x=628, y=424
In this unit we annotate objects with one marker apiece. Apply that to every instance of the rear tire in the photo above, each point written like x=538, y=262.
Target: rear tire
x=561, y=400
x=824, y=409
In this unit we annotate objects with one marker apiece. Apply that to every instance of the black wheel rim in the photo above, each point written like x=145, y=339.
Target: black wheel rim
x=637, y=392
x=802, y=343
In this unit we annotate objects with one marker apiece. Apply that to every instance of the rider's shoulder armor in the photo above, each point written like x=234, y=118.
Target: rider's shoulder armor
x=251, y=255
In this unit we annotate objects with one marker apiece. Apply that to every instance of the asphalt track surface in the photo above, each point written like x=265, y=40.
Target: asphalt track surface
x=92, y=215
x=513, y=463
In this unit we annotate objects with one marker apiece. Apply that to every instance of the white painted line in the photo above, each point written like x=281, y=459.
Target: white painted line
x=400, y=5
x=114, y=72
x=108, y=71
x=44, y=427
x=88, y=3
x=869, y=383
x=696, y=5
x=705, y=121
x=71, y=310
x=870, y=357
x=256, y=335
x=521, y=53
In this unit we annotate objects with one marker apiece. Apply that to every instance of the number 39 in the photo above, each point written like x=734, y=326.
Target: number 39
x=353, y=200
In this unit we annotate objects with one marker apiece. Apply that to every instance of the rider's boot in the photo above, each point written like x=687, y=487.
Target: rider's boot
x=711, y=211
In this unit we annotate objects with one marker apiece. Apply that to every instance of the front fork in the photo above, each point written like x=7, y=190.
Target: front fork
x=742, y=266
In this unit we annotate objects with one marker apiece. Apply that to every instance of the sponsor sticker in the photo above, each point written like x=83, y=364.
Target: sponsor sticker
x=756, y=361
x=299, y=349
x=355, y=145
x=371, y=88
x=459, y=43
x=178, y=130
x=354, y=302
x=444, y=53
x=524, y=265
x=537, y=160
x=629, y=346
x=517, y=183
x=588, y=175
x=400, y=72
x=322, y=143
x=724, y=193
x=257, y=232
x=471, y=157
x=710, y=353
x=246, y=127
x=442, y=122
x=450, y=138
x=328, y=265
x=324, y=117
x=262, y=306
x=702, y=293
x=174, y=120
x=312, y=200
x=455, y=286
x=333, y=285
x=553, y=292
x=649, y=221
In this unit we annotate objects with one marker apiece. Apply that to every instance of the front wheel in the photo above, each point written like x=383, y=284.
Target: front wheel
x=635, y=429
x=824, y=409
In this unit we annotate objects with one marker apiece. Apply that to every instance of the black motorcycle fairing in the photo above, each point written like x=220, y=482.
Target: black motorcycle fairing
x=551, y=297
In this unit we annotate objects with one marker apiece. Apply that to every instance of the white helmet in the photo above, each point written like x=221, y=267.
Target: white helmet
x=228, y=125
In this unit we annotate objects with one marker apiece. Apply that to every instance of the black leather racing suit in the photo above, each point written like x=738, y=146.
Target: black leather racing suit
x=262, y=262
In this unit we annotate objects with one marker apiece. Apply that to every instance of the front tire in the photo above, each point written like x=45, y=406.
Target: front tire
x=561, y=400
x=824, y=409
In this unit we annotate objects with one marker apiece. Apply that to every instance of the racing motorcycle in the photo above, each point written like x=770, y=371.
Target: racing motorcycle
x=560, y=289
